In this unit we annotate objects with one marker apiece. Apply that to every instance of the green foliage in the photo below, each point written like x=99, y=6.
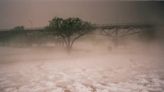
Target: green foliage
x=18, y=28
x=69, y=29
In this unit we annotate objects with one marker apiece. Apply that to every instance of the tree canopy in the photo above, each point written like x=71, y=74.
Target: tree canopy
x=69, y=29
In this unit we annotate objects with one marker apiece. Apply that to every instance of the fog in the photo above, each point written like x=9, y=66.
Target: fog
x=37, y=13
x=30, y=63
x=95, y=64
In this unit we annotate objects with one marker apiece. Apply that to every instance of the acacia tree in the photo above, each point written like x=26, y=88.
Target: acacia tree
x=117, y=32
x=69, y=29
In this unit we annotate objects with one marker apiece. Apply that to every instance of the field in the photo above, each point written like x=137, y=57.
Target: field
x=134, y=68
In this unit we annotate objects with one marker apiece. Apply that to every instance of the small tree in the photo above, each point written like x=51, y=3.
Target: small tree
x=69, y=30
x=117, y=32
x=18, y=28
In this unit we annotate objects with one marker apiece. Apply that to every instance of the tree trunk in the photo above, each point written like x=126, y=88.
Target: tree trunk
x=68, y=45
x=116, y=38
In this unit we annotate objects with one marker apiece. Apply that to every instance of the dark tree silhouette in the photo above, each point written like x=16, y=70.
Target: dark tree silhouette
x=18, y=28
x=69, y=30
x=117, y=32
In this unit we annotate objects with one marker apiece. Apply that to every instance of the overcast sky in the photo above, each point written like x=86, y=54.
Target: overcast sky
x=37, y=13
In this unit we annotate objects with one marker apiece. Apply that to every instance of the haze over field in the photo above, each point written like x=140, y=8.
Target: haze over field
x=92, y=66
x=37, y=13
x=34, y=56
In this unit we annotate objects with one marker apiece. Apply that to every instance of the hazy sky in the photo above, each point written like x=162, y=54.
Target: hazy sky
x=37, y=13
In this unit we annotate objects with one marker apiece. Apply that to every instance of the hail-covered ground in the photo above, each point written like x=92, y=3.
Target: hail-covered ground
x=48, y=69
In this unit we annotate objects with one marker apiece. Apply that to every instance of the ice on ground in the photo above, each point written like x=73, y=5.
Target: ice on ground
x=35, y=71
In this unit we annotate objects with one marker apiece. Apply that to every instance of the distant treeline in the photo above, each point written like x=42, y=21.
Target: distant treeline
x=26, y=37
x=65, y=31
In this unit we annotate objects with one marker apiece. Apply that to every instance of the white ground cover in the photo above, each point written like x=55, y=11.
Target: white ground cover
x=38, y=70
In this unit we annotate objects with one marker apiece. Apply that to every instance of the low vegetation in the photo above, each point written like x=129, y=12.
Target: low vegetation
x=65, y=32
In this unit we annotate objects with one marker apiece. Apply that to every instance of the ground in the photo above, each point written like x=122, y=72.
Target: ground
x=54, y=70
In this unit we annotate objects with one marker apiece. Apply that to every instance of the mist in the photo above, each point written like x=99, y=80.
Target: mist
x=121, y=50
x=94, y=63
x=35, y=13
